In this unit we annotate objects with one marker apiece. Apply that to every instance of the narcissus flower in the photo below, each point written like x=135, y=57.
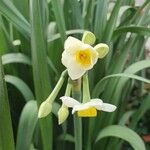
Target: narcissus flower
x=88, y=109
x=78, y=57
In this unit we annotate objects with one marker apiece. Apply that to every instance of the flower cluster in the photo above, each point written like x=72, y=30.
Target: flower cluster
x=78, y=57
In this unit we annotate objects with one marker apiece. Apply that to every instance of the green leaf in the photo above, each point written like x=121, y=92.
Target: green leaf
x=66, y=137
x=133, y=29
x=138, y=66
x=145, y=105
x=69, y=32
x=125, y=118
x=52, y=66
x=58, y=12
x=124, y=133
x=6, y=133
x=96, y=91
x=15, y=58
x=100, y=18
x=27, y=123
x=111, y=24
x=73, y=10
x=42, y=85
x=8, y=9
x=21, y=86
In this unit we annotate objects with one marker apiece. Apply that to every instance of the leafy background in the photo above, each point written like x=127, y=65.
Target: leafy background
x=33, y=67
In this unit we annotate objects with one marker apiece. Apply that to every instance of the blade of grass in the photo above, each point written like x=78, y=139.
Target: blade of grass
x=6, y=133
x=40, y=68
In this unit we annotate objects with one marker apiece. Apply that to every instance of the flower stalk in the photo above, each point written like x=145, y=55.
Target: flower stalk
x=46, y=106
x=57, y=88
x=63, y=111
x=86, y=98
x=76, y=93
x=86, y=91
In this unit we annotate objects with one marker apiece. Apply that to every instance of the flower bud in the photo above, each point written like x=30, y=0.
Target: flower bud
x=45, y=109
x=88, y=38
x=62, y=114
x=102, y=50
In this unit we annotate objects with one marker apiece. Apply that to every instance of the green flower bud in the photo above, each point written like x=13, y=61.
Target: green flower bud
x=88, y=38
x=62, y=114
x=102, y=50
x=45, y=109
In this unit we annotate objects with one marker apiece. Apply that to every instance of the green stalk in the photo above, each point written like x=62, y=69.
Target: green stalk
x=76, y=94
x=6, y=133
x=69, y=88
x=86, y=98
x=57, y=88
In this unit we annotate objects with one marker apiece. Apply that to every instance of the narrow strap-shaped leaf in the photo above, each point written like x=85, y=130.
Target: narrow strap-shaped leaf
x=100, y=18
x=27, y=123
x=66, y=137
x=76, y=17
x=124, y=133
x=112, y=22
x=6, y=133
x=138, y=66
x=140, y=111
x=15, y=58
x=69, y=32
x=96, y=91
x=40, y=67
x=13, y=15
x=58, y=12
x=21, y=86
x=133, y=29
x=125, y=118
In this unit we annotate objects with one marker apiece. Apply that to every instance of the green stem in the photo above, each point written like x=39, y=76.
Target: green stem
x=68, y=89
x=57, y=88
x=86, y=98
x=86, y=91
x=76, y=94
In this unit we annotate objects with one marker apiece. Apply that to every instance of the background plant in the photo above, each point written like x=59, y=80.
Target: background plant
x=33, y=67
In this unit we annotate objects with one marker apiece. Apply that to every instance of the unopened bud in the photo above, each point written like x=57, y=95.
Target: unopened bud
x=45, y=109
x=88, y=38
x=102, y=50
x=62, y=114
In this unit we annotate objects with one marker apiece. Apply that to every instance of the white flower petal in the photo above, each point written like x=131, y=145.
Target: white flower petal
x=64, y=59
x=94, y=55
x=96, y=100
x=72, y=44
x=74, y=70
x=79, y=107
x=97, y=103
x=106, y=107
x=68, y=101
